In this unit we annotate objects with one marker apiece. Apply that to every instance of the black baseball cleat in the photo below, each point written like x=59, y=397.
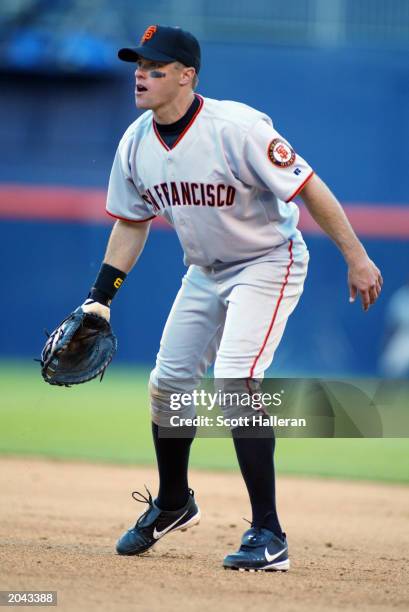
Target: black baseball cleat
x=155, y=523
x=260, y=549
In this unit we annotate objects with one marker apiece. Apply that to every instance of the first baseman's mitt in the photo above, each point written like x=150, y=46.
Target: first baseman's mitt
x=80, y=349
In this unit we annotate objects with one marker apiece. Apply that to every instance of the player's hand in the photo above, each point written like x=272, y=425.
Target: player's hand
x=93, y=307
x=364, y=278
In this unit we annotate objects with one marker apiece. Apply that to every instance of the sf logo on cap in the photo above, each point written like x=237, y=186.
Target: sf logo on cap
x=280, y=153
x=149, y=32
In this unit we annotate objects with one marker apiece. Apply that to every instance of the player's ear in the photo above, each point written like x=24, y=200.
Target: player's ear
x=186, y=76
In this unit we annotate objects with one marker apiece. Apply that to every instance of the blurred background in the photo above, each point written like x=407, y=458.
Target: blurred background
x=334, y=77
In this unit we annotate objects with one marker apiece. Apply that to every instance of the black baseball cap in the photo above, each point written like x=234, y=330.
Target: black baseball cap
x=165, y=44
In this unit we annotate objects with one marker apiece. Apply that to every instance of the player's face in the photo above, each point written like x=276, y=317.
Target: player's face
x=156, y=84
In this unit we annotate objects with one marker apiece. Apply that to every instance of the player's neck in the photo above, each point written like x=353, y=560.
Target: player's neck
x=173, y=111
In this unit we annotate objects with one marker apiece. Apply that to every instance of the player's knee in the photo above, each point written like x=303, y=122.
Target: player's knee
x=239, y=397
x=167, y=406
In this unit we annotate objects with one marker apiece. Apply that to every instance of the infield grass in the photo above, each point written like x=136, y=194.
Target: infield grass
x=111, y=422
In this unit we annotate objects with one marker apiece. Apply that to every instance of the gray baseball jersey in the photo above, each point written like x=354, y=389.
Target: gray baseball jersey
x=226, y=186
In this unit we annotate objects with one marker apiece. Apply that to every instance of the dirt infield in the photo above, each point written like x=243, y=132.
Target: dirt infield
x=349, y=543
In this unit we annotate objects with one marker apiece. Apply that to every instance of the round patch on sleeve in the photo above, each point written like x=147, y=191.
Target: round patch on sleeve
x=280, y=153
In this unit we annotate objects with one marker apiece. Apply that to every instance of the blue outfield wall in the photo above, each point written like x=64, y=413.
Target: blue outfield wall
x=55, y=263
x=345, y=111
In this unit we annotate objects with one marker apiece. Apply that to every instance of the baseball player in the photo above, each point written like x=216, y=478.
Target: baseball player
x=225, y=179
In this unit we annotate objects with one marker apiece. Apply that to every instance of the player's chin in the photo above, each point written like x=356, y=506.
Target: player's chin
x=141, y=101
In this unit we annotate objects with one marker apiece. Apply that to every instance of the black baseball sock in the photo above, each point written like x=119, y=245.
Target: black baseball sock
x=172, y=455
x=256, y=459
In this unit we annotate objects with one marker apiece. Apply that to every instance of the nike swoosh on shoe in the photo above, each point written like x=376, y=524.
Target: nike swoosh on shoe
x=271, y=558
x=158, y=534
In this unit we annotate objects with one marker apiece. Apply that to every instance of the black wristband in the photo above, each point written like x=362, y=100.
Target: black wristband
x=107, y=283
